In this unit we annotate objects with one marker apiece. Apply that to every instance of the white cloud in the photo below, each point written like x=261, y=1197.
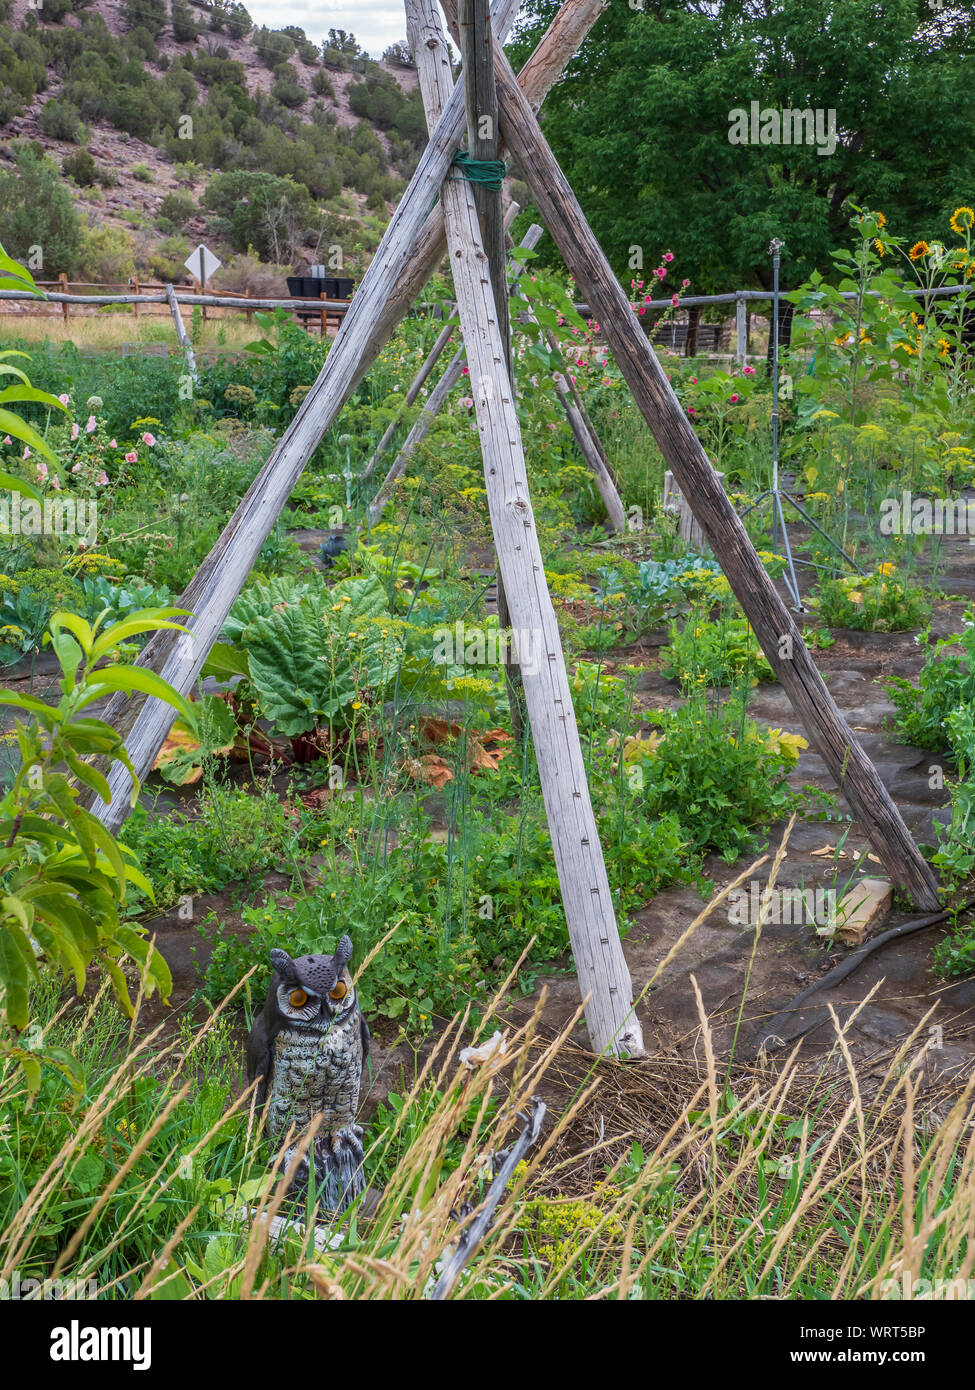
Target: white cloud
x=375, y=23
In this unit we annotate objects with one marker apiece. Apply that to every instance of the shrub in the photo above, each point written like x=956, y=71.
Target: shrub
x=321, y=84
x=37, y=210
x=107, y=256
x=61, y=120
x=166, y=261
x=273, y=46
x=287, y=89
x=142, y=173
x=184, y=25
x=145, y=14
x=81, y=167
x=178, y=207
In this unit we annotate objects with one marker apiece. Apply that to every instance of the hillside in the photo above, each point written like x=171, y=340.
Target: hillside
x=168, y=122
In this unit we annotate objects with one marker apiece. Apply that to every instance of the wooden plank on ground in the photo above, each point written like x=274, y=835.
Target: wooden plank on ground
x=862, y=908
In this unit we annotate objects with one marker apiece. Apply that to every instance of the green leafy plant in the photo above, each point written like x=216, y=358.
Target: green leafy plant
x=315, y=653
x=64, y=877
x=946, y=680
x=874, y=602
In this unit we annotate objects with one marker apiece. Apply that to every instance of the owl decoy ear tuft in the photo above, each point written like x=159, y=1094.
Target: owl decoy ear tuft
x=284, y=966
x=343, y=954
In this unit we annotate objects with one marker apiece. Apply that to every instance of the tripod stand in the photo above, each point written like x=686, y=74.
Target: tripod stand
x=775, y=492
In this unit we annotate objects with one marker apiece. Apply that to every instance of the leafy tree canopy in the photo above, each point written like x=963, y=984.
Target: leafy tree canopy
x=641, y=127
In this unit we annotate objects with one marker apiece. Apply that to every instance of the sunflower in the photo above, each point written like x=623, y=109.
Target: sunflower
x=919, y=249
x=945, y=347
x=881, y=250
x=961, y=220
x=881, y=219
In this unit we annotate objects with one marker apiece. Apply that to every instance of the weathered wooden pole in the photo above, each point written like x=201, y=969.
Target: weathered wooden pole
x=416, y=387
x=432, y=408
x=181, y=336
x=417, y=384
x=594, y=937
x=587, y=441
x=775, y=629
x=484, y=143
x=741, y=328
x=412, y=247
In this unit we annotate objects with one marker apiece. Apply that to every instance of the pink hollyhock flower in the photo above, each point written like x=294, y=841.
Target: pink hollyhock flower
x=733, y=397
x=466, y=371
x=693, y=380
x=641, y=310
x=55, y=484
x=42, y=470
x=26, y=455
x=7, y=439
x=113, y=443
x=684, y=284
x=675, y=300
x=75, y=431
x=149, y=439
x=102, y=479
x=64, y=399
x=692, y=410
x=660, y=272
x=749, y=371
x=466, y=402
x=668, y=256
x=92, y=425
x=132, y=457
x=77, y=468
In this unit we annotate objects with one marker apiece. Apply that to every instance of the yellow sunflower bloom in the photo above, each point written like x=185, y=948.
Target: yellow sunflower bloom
x=961, y=220
x=919, y=249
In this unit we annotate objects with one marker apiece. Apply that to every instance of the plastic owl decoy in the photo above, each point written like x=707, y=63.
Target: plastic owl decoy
x=308, y=1046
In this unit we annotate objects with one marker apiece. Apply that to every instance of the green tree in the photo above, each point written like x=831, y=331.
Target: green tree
x=641, y=127
x=274, y=215
x=147, y=14
x=37, y=214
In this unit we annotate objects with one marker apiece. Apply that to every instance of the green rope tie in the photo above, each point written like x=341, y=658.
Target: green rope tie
x=487, y=173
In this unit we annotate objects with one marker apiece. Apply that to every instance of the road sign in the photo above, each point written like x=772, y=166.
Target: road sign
x=202, y=263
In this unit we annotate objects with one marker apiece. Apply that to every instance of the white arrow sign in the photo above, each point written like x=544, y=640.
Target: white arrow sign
x=202, y=263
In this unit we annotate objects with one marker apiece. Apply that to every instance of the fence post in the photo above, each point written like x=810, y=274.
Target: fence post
x=249, y=313
x=324, y=296
x=134, y=282
x=693, y=322
x=741, y=327
x=63, y=286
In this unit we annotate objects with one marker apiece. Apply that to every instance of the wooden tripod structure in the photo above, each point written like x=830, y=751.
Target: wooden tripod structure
x=410, y=250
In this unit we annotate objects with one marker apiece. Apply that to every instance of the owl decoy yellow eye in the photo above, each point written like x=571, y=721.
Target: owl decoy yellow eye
x=297, y=998
x=339, y=991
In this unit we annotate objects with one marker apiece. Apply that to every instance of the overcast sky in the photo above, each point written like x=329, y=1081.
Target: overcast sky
x=375, y=23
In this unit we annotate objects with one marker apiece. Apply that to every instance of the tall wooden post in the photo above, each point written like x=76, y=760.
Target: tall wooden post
x=775, y=629
x=603, y=975
x=741, y=328
x=63, y=285
x=484, y=142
